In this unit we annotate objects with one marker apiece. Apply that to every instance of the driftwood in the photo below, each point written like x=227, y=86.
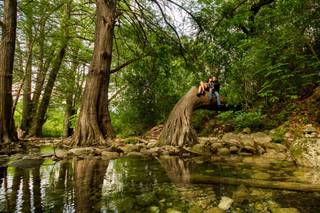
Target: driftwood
x=177, y=130
x=294, y=186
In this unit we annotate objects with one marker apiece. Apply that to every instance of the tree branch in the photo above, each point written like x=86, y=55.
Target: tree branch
x=173, y=29
x=118, y=68
x=189, y=13
x=117, y=93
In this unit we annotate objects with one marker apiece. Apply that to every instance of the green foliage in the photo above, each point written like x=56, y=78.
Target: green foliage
x=226, y=116
x=53, y=127
x=252, y=120
x=278, y=134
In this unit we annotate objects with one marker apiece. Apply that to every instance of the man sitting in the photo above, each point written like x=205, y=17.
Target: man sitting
x=213, y=86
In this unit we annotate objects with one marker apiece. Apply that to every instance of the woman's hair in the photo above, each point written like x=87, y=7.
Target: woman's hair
x=211, y=77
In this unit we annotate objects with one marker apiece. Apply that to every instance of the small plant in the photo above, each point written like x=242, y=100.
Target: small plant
x=226, y=116
x=252, y=120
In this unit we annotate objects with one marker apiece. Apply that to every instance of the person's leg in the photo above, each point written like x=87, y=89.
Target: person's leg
x=210, y=95
x=218, y=98
x=201, y=89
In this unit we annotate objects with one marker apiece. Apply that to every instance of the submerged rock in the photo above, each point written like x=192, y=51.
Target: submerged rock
x=153, y=209
x=261, y=176
x=223, y=151
x=214, y=210
x=170, y=210
x=272, y=154
x=146, y=199
x=241, y=194
x=225, y=203
x=284, y=210
x=276, y=146
x=27, y=163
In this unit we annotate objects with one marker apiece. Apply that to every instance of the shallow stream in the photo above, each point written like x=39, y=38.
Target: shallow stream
x=163, y=184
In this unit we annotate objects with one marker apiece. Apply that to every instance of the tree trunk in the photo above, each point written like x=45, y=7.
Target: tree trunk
x=178, y=130
x=43, y=66
x=7, y=48
x=39, y=119
x=94, y=123
x=71, y=90
x=69, y=112
x=27, y=104
x=36, y=129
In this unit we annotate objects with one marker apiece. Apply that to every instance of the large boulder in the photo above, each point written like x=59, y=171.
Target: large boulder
x=82, y=151
x=247, y=140
x=306, y=152
x=200, y=149
x=261, y=138
x=109, y=155
x=231, y=138
x=130, y=148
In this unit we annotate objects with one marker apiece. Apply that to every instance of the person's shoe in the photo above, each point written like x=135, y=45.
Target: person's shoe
x=221, y=107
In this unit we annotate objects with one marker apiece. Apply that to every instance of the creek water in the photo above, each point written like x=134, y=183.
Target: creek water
x=162, y=184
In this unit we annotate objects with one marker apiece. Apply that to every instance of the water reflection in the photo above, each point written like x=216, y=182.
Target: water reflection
x=139, y=185
x=177, y=169
x=88, y=178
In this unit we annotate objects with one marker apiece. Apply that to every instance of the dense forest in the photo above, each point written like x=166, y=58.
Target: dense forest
x=114, y=106
x=96, y=70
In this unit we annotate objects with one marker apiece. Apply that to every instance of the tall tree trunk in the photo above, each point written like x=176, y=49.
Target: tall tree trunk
x=27, y=105
x=43, y=66
x=68, y=114
x=94, y=123
x=70, y=110
x=178, y=130
x=39, y=119
x=7, y=48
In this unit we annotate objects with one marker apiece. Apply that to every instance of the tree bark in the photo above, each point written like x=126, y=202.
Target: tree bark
x=178, y=130
x=94, y=123
x=7, y=49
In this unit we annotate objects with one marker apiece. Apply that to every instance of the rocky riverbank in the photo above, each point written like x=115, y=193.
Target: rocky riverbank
x=259, y=147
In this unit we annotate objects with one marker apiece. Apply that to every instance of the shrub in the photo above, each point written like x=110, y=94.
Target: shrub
x=252, y=120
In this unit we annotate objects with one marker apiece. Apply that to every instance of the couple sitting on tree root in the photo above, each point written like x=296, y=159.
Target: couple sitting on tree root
x=213, y=86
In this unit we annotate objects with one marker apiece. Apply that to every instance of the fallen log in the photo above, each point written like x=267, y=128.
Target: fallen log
x=293, y=186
